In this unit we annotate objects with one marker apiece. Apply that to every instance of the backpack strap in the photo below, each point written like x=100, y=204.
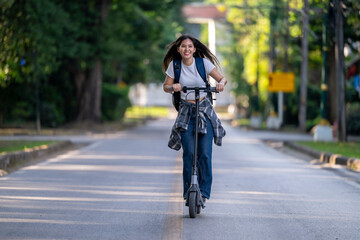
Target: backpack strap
x=177, y=69
x=177, y=72
x=201, y=69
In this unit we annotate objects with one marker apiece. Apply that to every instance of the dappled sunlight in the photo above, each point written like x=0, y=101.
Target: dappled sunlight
x=69, y=190
x=271, y=170
x=284, y=216
x=120, y=157
x=261, y=193
x=132, y=191
x=264, y=199
x=43, y=221
x=108, y=168
x=77, y=188
x=85, y=199
x=50, y=205
x=248, y=158
x=63, y=205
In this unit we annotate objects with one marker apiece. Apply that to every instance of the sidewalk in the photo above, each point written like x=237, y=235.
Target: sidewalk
x=288, y=139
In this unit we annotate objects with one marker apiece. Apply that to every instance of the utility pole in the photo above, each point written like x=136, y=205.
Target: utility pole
x=257, y=108
x=340, y=74
x=304, y=67
x=282, y=96
x=286, y=39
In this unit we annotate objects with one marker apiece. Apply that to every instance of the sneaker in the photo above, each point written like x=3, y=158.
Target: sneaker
x=203, y=202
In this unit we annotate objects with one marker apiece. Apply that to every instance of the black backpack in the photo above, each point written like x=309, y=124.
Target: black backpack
x=177, y=71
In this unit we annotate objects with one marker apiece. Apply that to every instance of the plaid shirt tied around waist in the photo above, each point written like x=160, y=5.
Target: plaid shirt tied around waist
x=182, y=121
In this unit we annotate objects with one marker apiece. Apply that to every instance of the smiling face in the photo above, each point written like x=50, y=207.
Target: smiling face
x=186, y=49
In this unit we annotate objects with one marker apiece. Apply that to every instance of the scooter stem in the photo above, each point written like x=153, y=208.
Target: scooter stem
x=197, y=98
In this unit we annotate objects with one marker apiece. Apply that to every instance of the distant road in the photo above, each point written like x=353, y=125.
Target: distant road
x=128, y=186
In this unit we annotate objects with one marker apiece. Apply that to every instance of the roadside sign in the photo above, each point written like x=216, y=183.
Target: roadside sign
x=281, y=82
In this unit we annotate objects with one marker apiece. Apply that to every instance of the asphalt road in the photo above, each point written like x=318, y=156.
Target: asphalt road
x=128, y=186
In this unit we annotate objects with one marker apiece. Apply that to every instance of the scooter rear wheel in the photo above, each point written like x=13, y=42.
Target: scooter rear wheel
x=192, y=205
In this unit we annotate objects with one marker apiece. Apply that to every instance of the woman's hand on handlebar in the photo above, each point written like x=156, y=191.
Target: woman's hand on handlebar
x=220, y=87
x=176, y=87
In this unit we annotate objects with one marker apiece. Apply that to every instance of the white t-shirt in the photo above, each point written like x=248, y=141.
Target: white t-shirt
x=190, y=77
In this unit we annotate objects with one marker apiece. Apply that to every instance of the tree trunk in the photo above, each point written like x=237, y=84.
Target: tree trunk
x=286, y=60
x=272, y=56
x=88, y=86
x=304, y=67
x=89, y=82
x=340, y=73
x=331, y=96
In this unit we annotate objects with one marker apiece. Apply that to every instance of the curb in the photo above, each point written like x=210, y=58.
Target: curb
x=19, y=158
x=333, y=159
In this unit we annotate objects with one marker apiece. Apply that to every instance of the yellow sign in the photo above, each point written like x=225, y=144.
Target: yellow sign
x=281, y=82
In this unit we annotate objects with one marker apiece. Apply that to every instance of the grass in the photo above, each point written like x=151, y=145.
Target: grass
x=20, y=145
x=348, y=149
x=146, y=112
x=245, y=122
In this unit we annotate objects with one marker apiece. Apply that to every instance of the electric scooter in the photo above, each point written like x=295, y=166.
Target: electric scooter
x=194, y=198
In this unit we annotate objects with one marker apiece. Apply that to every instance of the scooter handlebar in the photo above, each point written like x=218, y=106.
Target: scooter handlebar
x=202, y=89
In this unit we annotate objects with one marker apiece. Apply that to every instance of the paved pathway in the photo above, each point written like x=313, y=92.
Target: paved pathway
x=128, y=186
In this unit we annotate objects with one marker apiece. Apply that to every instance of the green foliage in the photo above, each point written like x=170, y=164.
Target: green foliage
x=17, y=102
x=51, y=114
x=137, y=112
x=352, y=23
x=114, y=102
x=32, y=32
x=353, y=118
x=135, y=36
x=312, y=107
x=52, y=41
x=235, y=69
x=312, y=122
x=53, y=104
x=267, y=19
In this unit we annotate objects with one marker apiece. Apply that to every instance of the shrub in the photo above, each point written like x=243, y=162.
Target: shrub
x=114, y=102
x=51, y=115
x=353, y=118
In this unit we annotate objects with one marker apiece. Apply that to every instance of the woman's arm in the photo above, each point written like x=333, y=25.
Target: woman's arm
x=218, y=78
x=169, y=85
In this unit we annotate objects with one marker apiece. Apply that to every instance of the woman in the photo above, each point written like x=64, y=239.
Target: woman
x=186, y=48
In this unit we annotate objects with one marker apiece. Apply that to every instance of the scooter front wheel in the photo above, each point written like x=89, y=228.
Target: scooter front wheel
x=192, y=205
x=198, y=209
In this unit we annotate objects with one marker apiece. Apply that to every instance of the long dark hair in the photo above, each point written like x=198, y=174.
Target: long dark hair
x=201, y=51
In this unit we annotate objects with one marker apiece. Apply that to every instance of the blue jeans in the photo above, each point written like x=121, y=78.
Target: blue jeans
x=204, y=157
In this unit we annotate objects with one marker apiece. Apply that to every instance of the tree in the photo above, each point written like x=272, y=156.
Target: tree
x=348, y=13
x=125, y=36
x=304, y=67
x=29, y=46
x=86, y=43
x=340, y=71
